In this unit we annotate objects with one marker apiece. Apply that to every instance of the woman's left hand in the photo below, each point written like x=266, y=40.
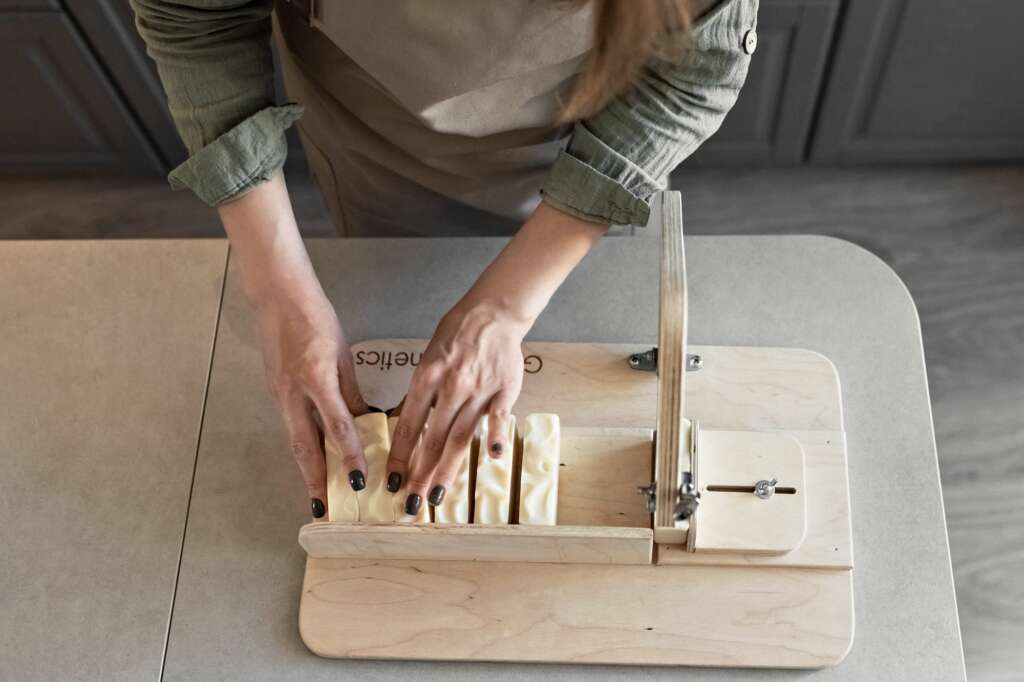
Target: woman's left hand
x=473, y=365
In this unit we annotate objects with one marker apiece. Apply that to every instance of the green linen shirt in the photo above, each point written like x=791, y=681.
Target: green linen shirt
x=215, y=62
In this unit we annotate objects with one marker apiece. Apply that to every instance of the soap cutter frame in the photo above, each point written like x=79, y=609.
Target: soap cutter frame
x=732, y=492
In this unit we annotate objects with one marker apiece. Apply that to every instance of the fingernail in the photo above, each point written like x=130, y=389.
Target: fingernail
x=371, y=408
x=412, y=504
x=357, y=479
x=496, y=450
x=394, y=482
x=436, y=495
x=318, y=508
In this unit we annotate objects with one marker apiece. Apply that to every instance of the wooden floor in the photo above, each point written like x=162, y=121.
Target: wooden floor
x=956, y=237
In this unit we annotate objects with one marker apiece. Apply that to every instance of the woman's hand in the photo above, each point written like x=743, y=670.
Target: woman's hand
x=473, y=365
x=307, y=360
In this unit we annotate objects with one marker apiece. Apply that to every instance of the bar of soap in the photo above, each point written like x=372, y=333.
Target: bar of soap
x=493, y=480
x=342, y=502
x=375, y=502
x=538, y=484
x=454, y=508
x=398, y=499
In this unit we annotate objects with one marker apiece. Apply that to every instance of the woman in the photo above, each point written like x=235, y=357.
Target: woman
x=549, y=119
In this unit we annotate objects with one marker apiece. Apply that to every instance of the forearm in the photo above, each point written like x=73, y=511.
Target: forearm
x=267, y=246
x=525, y=275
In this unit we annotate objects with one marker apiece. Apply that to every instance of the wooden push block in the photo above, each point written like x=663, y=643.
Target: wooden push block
x=538, y=483
x=731, y=517
x=398, y=499
x=493, y=480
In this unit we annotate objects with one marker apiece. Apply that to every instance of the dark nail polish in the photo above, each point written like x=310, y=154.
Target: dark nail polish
x=412, y=504
x=371, y=408
x=496, y=449
x=394, y=482
x=436, y=495
x=357, y=479
x=318, y=508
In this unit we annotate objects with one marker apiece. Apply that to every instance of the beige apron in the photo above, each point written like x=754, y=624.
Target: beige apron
x=433, y=118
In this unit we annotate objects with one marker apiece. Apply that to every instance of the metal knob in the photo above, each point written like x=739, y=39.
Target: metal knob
x=764, y=489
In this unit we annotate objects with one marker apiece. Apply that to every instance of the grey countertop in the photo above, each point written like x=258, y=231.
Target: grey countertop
x=104, y=356
x=235, y=607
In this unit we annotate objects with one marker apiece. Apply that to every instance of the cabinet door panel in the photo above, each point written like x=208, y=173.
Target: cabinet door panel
x=926, y=80
x=62, y=115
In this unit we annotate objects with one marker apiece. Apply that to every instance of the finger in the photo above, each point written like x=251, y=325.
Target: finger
x=421, y=469
x=350, y=392
x=415, y=409
x=456, y=450
x=339, y=427
x=499, y=417
x=305, y=446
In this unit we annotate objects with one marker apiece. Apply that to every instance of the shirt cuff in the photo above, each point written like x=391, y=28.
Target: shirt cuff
x=240, y=159
x=593, y=181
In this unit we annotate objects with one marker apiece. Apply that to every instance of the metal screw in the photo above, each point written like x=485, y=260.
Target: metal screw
x=694, y=362
x=764, y=489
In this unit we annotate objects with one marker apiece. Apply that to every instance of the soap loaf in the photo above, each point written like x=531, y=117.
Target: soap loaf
x=538, y=483
x=375, y=503
x=493, y=479
x=398, y=499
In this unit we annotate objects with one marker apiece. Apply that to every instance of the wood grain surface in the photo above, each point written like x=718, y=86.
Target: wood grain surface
x=484, y=543
x=447, y=610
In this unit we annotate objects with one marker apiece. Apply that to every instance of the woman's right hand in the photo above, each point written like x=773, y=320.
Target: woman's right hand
x=306, y=357
x=309, y=369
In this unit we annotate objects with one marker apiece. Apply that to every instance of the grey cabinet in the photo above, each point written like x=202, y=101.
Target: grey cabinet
x=925, y=80
x=832, y=81
x=62, y=113
x=109, y=27
x=771, y=122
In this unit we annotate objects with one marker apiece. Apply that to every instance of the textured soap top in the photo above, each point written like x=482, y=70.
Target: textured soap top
x=398, y=499
x=342, y=504
x=375, y=502
x=454, y=508
x=493, y=480
x=538, y=484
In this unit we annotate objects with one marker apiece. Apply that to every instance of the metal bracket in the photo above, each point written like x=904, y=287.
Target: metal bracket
x=689, y=498
x=647, y=361
x=651, y=492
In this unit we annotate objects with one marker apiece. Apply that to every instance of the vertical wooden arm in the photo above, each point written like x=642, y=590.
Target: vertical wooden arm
x=672, y=447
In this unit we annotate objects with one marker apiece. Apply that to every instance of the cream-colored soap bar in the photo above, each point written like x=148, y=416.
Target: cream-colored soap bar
x=342, y=502
x=398, y=499
x=375, y=502
x=454, y=508
x=493, y=480
x=538, y=484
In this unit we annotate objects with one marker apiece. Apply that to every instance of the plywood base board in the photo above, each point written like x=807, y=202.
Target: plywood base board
x=566, y=613
x=735, y=610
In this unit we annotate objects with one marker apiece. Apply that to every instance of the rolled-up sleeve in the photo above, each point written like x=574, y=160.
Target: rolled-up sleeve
x=216, y=66
x=618, y=158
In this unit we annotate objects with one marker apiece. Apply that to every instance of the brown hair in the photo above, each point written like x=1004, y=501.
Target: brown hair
x=628, y=35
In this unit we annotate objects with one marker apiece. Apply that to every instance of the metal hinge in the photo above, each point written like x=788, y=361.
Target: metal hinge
x=647, y=361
